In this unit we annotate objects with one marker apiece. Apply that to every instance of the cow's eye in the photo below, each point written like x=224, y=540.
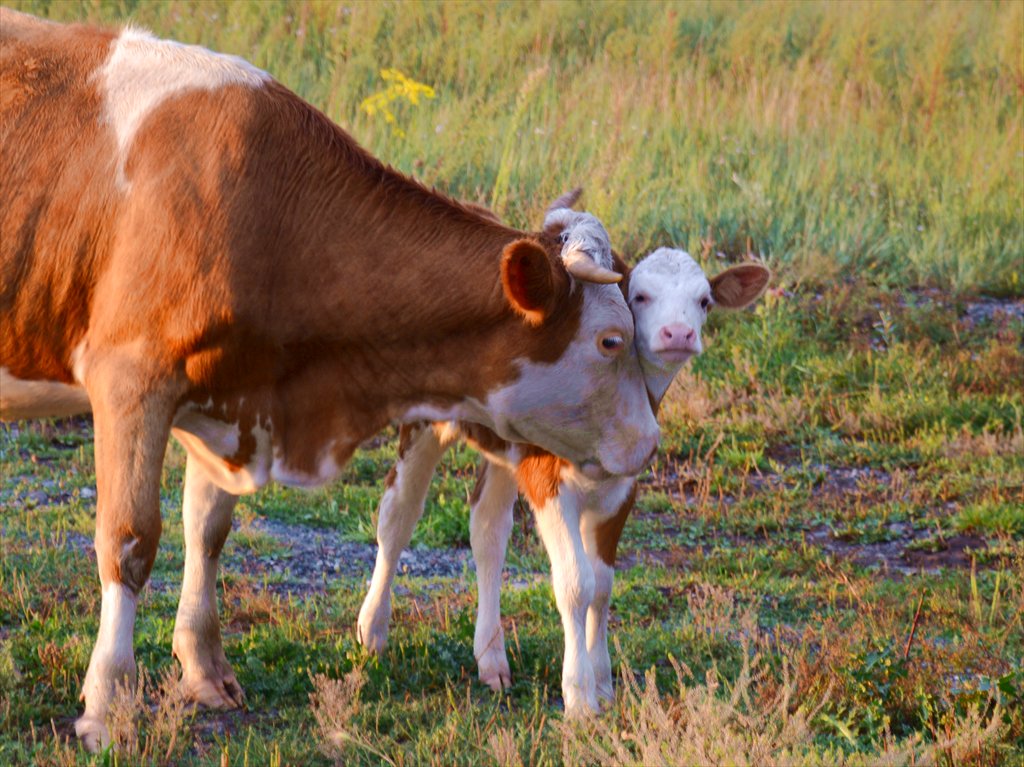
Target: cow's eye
x=610, y=343
x=639, y=298
x=705, y=303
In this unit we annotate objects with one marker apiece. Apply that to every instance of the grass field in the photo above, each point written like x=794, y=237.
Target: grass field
x=827, y=562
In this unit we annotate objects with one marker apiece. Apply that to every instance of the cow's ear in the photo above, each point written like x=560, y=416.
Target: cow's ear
x=739, y=286
x=529, y=280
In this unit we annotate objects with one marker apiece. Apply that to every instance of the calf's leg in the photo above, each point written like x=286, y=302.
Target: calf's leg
x=490, y=525
x=420, y=448
x=206, y=517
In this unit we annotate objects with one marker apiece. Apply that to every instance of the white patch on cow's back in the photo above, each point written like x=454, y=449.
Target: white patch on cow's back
x=39, y=399
x=143, y=71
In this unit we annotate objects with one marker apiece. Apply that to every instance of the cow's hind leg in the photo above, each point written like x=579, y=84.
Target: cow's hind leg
x=206, y=516
x=420, y=448
x=490, y=525
x=132, y=410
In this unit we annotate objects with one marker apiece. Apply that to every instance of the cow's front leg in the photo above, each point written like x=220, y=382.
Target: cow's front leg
x=490, y=525
x=597, y=622
x=419, y=450
x=573, y=581
x=132, y=412
x=206, y=517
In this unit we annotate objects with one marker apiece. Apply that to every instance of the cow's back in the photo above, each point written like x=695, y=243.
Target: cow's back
x=120, y=166
x=55, y=189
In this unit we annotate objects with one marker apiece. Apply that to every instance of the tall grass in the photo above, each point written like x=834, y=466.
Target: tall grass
x=879, y=140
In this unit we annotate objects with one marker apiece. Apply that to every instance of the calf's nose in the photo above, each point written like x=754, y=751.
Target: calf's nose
x=677, y=336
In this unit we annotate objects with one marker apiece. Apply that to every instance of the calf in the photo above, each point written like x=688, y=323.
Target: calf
x=579, y=518
x=186, y=246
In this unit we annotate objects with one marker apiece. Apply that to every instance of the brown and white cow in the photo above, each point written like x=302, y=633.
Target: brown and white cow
x=579, y=518
x=188, y=247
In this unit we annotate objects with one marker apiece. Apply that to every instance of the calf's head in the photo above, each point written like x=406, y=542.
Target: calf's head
x=670, y=298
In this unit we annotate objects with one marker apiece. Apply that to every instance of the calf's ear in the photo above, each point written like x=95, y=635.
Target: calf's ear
x=529, y=280
x=739, y=286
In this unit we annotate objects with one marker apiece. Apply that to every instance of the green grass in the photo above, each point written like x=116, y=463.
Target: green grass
x=848, y=450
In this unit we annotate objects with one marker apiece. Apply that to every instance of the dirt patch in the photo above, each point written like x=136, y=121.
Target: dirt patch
x=956, y=551
x=310, y=557
x=896, y=554
x=992, y=309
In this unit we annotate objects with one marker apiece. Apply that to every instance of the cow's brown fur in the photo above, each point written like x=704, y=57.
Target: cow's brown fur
x=83, y=265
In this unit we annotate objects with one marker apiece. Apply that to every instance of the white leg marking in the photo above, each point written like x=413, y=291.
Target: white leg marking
x=400, y=509
x=490, y=525
x=573, y=581
x=112, y=662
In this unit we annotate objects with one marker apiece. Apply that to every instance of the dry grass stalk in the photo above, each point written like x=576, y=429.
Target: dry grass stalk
x=971, y=740
x=698, y=725
x=503, y=748
x=712, y=609
x=150, y=735
x=335, y=702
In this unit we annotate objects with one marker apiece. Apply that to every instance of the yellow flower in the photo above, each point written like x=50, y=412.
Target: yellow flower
x=400, y=88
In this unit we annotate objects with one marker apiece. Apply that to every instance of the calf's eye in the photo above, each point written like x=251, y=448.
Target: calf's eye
x=639, y=298
x=705, y=303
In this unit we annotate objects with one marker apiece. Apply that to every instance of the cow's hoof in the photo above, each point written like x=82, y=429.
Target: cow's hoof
x=219, y=689
x=93, y=733
x=494, y=670
x=580, y=704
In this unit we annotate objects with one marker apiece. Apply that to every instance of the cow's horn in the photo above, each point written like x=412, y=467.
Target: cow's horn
x=582, y=267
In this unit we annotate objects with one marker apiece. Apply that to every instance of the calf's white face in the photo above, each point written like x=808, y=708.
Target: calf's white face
x=670, y=298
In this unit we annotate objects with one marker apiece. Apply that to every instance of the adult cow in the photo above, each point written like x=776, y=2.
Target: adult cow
x=187, y=246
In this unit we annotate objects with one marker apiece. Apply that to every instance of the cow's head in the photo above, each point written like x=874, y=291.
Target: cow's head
x=670, y=298
x=588, y=405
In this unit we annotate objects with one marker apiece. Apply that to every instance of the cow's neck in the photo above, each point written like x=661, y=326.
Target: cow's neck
x=409, y=303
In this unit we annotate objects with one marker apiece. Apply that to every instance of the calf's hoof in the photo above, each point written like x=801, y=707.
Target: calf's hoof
x=372, y=632
x=93, y=733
